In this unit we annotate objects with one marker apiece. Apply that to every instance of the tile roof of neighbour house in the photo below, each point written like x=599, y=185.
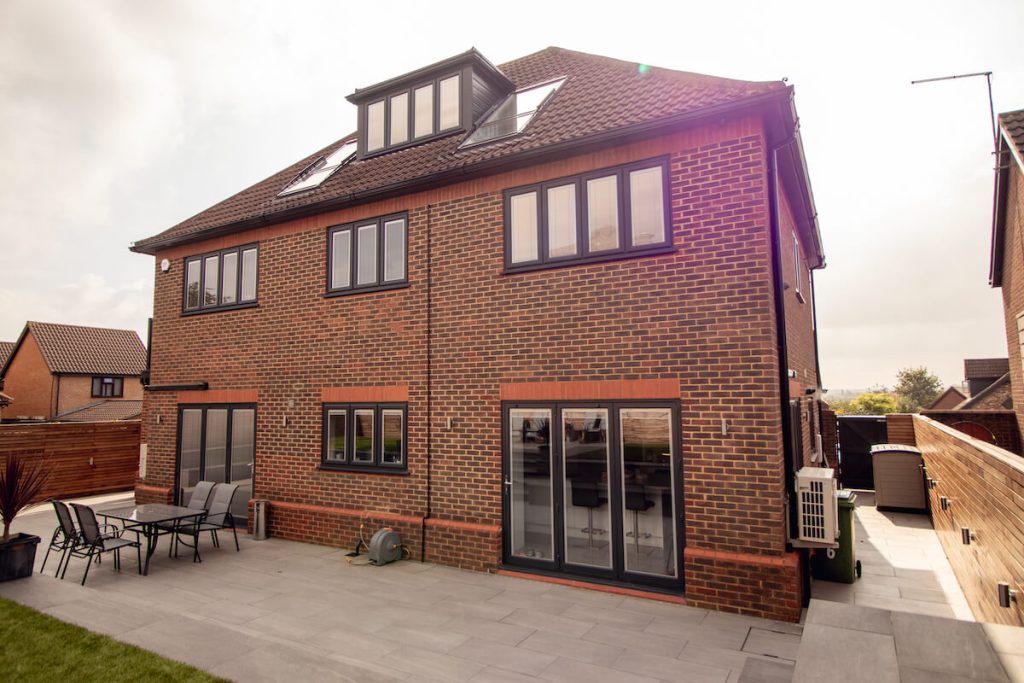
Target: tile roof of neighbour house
x=103, y=411
x=601, y=97
x=77, y=350
x=948, y=399
x=1013, y=123
x=996, y=396
x=5, y=351
x=984, y=368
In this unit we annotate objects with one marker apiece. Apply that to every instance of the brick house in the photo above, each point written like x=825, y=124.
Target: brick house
x=1007, y=263
x=54, y=369
x=553, y=317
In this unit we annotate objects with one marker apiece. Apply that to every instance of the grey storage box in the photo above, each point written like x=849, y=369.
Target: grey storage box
x=899, y=482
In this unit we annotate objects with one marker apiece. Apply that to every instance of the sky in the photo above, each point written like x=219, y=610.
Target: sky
x=121, y=119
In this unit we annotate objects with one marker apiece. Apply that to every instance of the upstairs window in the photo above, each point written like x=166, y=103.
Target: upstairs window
x=367, y=255
x=616, y=212
x=107, y=387
x=412, y=115
x=514, y=113
x=221, y=280
x=320, y=170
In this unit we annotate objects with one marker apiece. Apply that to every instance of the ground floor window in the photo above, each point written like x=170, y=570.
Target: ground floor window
x=365, y=436
x=217, y=443
x=594, y=489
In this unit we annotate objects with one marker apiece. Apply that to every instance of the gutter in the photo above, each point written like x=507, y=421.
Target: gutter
x=472, y=170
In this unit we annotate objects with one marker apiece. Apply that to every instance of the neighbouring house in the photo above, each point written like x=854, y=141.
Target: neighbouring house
x=57, y=369
x=1007, y=260
x=553, y=316
x=949, y=398
x=980, y=373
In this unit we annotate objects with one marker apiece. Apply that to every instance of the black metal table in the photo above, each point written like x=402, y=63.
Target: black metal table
x=152, y=520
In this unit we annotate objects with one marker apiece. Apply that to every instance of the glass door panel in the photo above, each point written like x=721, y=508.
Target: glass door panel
x=588, y=522
x=191, y=449
x=648, y=507
x=243, y=451
x=216, y=445
x=529, y=487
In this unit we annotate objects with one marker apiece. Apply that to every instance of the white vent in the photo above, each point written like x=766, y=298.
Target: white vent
x=816, y=491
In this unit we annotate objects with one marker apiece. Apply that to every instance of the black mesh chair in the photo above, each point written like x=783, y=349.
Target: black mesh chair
x=199, y=500
x=94, y=543
x=65, y=536
x=218, y=516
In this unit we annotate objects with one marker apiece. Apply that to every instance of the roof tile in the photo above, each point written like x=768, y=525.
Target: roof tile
x=71, y=349
x=104, y=411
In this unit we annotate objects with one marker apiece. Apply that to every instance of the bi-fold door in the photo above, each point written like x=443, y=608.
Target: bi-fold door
x=594, y=490
x=217, y=443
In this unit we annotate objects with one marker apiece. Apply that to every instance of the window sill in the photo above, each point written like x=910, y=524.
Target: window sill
x=399, y=471
x=365, y=290
x=221, y=309
x=600, y=258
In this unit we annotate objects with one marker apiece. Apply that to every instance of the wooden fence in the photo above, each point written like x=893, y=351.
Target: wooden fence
x=82, y=458
x=984, y=487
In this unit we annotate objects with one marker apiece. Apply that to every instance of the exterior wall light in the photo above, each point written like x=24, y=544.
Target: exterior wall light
x=1006, y=594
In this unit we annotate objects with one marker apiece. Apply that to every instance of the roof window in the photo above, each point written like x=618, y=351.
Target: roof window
x=513, y=115
x=320, y=170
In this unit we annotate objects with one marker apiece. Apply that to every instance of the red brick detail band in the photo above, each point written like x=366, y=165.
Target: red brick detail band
x=617, y=590
x=465, y=526
x=347, y=512
x=390, y=394
x=219, y=396
x=595, y=390
x=787, y=560
x=145, y=493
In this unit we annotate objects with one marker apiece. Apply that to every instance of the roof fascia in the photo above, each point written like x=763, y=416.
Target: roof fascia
x=999, y=194
x=470, y=57
x=601, y=140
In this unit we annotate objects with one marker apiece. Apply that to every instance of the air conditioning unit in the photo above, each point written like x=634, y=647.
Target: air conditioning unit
x=818, y=505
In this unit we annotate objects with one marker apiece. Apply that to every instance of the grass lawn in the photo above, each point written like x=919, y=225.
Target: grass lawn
x=37, y=647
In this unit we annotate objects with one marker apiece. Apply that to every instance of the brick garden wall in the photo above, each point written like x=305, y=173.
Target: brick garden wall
x=1000, y=424
x=700, y=317
x=986, y=487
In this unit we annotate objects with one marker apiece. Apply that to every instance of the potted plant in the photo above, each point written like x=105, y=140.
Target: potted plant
x=20, y=483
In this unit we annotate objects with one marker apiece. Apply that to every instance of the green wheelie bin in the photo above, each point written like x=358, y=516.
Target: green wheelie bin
x=840, y=564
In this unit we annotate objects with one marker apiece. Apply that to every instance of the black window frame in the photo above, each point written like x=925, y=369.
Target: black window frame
x=116, y=386
x=201, y=308
x=377, y=465
x=411, y=139
x=380, y=284
x=583, y=253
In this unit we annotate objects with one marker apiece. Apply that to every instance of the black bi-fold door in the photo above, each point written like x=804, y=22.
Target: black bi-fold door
x=217, y=443
x=594, y=489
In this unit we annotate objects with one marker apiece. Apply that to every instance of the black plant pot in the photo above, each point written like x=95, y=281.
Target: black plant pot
x=18, y=556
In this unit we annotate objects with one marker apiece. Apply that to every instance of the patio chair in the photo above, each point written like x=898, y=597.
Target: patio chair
x=218, y=516
x=94, y=543
x=65, y=536
x=199, y=500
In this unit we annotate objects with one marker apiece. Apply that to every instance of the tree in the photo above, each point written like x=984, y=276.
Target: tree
x=915, y=389
x=872, y=403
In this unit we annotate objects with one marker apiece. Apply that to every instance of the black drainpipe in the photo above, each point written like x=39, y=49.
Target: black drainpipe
x=430, y=414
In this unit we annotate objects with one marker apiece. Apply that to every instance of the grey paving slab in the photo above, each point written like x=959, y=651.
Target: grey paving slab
x=354, y=644
x=670, y=669
x=1008, y=639
x=432, y=665
x=495, y=675
x=771, y=643
x=710, y=636
x=945, y=646
x=910, y=675
x=714, y=656
x=572, y=671
x=276, y=663
x=191, y=641
x=433, y=639
x=573, y=648
x=925, y=594
x=609, y=615
x=862, y=656
x=849, y=617
x=633, y=640
x=549, y=622
x=496, y=655
x=103, y=616
x=531, y=601
x=485, y=629
x=763, y=671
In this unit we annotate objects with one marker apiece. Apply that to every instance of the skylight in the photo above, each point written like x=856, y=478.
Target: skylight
x=514, y=114
x=321, y=169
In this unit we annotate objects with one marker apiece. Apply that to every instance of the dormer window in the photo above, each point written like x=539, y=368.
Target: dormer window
x=320, y=170
x=415, y=114
x=514, y=113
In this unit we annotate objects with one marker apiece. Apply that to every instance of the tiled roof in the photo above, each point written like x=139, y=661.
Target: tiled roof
x=104, y=411
x=996, y=396
x=600, y=96
x=985, y=368
x=5, y=351
x=71, y=349
x=1013, y=123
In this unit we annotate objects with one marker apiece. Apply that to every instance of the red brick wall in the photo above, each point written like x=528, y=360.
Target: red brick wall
x=1000, y=424
x=701, y=317
x=29, y=383
x=75, y=391
x=1013, y=283
x=985, y=485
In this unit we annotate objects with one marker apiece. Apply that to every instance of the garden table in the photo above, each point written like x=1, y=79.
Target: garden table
x=153, y=520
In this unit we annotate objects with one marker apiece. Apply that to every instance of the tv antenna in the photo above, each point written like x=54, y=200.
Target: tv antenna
x=991, y=107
